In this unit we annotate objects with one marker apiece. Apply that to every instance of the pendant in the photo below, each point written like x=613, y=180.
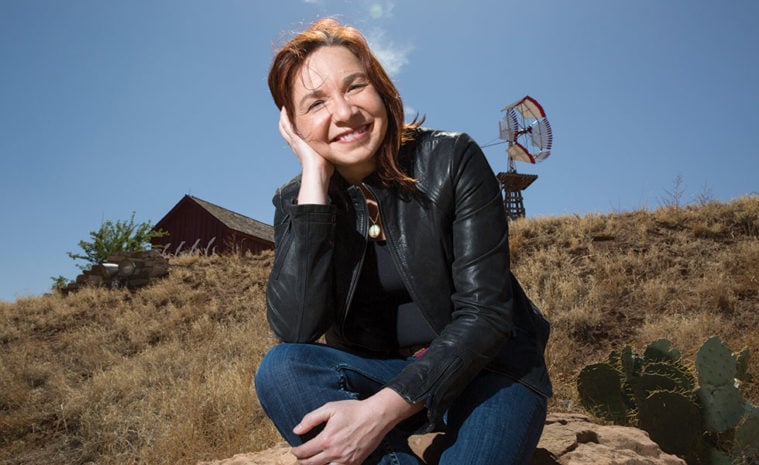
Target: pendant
x=374, y=231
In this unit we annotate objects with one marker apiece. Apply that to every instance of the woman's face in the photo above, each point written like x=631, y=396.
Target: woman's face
x=338, y=112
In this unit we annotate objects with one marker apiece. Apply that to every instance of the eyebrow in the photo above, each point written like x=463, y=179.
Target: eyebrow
x=317, y=93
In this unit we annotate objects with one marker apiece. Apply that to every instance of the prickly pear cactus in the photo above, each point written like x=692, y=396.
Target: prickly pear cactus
x=631, y=364
x=747, y=438
x=682, y=380
x=674, y=422
x=600, y=389
x=715, y=363
x=706, y=424
x=717, y=457
x=721, y=402
x=741, y=364
x=661, y=351
x=646, y=384
x=722, y=406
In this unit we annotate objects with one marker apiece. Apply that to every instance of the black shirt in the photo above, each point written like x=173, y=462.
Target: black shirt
x=382, y=315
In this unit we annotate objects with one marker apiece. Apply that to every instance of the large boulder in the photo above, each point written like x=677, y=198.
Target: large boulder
x=568, y=439
x=571, y=439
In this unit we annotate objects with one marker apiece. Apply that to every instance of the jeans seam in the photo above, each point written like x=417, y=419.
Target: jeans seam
x=342, y=383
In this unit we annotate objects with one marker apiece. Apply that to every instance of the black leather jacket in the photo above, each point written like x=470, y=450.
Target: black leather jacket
x=450, y=245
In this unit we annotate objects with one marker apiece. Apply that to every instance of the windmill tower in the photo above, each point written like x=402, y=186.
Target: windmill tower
x=525, y=128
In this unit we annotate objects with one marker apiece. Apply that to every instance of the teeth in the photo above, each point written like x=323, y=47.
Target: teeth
x=351, y=136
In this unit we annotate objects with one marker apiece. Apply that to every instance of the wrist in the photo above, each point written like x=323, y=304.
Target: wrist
x=314, y=185
x=392, y=408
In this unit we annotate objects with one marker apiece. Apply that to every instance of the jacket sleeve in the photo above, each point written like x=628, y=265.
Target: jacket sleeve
x=299, y=297
x=482, y=301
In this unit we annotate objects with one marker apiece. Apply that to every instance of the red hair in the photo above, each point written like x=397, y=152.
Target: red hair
x=328, y=32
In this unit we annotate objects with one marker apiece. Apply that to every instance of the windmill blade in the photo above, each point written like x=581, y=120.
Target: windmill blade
x=509, y=125
x=540, y=156
x=541, y=134
x=518, y=152
x=530, y=108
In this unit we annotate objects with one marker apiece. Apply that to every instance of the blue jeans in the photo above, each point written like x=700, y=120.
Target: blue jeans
x=495, y=421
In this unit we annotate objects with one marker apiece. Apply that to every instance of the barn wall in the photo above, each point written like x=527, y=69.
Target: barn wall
x=188, y=222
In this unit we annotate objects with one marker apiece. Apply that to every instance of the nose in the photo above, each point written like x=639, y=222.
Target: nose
x=342, y=109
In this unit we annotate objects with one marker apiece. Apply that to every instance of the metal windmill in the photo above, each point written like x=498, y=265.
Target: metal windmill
x=525, y=128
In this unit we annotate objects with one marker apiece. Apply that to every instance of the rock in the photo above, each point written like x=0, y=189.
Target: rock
x=568, y=439
x=278, y=455
x=572, y=439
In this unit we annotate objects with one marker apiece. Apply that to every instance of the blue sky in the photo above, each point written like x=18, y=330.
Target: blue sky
x=114, y=107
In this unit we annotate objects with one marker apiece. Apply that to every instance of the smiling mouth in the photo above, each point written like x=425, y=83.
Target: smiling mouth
x=353, y=135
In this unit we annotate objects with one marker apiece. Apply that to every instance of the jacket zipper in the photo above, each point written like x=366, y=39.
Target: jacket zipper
x=357, y=271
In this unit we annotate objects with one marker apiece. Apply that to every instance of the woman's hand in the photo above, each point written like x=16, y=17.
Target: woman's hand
x=352, y=428
x=352, y=431
x=316, y=169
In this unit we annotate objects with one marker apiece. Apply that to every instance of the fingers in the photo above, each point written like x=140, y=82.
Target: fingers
x=286, y=129
x=350, y=434
x=311, y=420
x=292, y=137
x=310, y=450
x=312, y=453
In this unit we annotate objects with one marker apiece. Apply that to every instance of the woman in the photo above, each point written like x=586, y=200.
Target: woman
x=392, y=243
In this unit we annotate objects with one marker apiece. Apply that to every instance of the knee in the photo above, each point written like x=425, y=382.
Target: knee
x=280, y=371
x=272, y=368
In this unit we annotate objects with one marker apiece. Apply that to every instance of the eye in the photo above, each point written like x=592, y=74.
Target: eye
x=356, y=87
x=315, y=105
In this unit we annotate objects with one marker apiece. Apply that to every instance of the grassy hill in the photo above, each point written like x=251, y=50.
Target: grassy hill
x=163, y=375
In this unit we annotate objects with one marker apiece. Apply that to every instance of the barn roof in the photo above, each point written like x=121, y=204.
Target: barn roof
x=236, y=221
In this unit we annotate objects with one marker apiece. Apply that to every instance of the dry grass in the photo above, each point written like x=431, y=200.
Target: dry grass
x=609, y=280
x=164, y=375
x=159, y=376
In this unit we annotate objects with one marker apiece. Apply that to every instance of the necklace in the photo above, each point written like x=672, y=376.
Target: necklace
x=374, y=229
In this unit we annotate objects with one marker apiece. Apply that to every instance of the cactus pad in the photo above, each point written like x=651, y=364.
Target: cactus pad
x=660, y=351
x=679, y=374
x=673, y=421
x=722, y=406
x=600, y=389
x=646, y=384
x=717, y=457
x=631, y=364
x=715, y=363
x=747, y=437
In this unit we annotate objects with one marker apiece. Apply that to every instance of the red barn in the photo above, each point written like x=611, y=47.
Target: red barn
x=196, y=225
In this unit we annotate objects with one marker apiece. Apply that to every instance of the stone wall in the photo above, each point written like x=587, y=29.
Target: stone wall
x=126, y=269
